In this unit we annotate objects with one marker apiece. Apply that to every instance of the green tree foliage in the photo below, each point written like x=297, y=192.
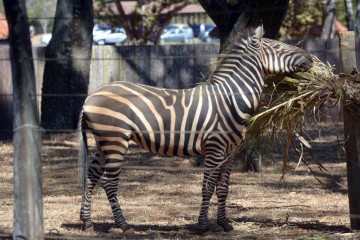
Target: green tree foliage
x=145, y=23
x=40, y=14
x=303, y=18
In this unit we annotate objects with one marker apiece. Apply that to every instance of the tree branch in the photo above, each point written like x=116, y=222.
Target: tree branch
x=127, y=24
x=175, y=8
x=236, y=15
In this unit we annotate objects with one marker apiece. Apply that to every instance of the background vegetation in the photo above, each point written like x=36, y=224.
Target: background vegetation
x=303, y=17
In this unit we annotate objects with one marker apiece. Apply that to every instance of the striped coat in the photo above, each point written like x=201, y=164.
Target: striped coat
x=207, y=120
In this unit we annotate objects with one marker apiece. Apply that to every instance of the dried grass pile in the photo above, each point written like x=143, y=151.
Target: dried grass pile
x=286, y=97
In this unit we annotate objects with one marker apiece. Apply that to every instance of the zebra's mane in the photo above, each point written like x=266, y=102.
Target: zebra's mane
x=232, y=49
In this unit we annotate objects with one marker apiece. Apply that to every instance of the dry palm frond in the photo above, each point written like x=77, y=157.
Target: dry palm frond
x=286, y=97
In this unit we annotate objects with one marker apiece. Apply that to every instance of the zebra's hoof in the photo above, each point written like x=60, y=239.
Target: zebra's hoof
x=87, y=225
x=129, y=232
x=227, y=227
x=127, y=229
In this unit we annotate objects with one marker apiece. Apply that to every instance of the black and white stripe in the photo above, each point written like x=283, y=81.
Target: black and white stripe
x=207, y=120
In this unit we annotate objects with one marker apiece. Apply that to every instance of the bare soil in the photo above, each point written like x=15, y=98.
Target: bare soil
x=163, y=203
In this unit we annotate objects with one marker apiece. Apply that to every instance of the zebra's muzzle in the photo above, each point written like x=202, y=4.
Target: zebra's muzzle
x=307, y=61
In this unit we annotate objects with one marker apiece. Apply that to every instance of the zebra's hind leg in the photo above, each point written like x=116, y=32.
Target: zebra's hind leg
x=209, y=182
x=95, y=171
x=222, y=189
x=110, y=182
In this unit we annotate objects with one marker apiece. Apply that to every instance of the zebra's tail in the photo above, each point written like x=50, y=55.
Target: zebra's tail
x=83, y=151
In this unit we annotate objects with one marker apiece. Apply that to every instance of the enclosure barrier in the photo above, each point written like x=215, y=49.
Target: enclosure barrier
x=168, y=66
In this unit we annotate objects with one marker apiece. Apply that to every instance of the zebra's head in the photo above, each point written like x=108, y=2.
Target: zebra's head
x=259, y=56
x=278, y=57
x=273, y=56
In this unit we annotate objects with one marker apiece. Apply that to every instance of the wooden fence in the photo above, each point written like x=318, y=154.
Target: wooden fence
x=168, y=66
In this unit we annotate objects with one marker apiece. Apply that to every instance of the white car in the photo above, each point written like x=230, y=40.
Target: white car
x=99, y=29
x=101, y=35
x=113, y=36
x=177, y=33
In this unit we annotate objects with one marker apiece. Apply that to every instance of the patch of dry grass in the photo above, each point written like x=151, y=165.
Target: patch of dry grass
x=165, y=204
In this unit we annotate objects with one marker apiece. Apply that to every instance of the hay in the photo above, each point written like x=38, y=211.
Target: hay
x=286, y=97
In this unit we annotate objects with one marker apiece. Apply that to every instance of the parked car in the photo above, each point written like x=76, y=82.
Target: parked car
x=102, y=34
x=177, y=33
x=113, y=36
x=205, y=33
x=196, y=29
x=98, y=29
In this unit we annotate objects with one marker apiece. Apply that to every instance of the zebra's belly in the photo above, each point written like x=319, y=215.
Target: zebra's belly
x=171, y=143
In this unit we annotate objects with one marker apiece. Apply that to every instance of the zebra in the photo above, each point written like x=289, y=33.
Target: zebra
x=208, y=119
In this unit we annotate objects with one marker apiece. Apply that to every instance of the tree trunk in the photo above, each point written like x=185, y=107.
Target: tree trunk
x=67, y=68
x=357, y=19
x=349, y=15
x=328, y=30
x=226, y=13
x=351, y=131
x=28, y=214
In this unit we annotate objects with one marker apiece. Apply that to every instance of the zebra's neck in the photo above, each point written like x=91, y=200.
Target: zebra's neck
x=240, y=76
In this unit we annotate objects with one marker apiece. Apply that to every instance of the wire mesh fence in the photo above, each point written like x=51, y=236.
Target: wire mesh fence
x=168, y=66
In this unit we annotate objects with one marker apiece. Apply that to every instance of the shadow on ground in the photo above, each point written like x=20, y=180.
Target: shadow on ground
x=186, y=231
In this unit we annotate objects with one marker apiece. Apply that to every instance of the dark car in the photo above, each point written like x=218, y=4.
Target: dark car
x=204, y=34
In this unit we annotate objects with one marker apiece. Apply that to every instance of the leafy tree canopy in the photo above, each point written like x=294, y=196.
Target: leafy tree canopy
x=302, y=18
x=145, y=22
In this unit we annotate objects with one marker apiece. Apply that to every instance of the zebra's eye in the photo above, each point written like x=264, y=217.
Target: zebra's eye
x=277, y=46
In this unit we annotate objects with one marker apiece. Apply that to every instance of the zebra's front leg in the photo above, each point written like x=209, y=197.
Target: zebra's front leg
x=95, y=171
x=110, y=185
x=222, y=189
x=209, y=183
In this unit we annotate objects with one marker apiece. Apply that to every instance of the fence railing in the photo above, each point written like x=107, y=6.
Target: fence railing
x=168, y=66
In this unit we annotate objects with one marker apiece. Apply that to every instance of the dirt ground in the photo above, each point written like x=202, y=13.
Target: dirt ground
x=164, y=204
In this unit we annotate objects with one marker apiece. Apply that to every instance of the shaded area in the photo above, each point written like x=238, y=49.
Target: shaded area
x=107, y=227
x=167, y=66
x=165, y=204
x=306, y=225
x=146, y=231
